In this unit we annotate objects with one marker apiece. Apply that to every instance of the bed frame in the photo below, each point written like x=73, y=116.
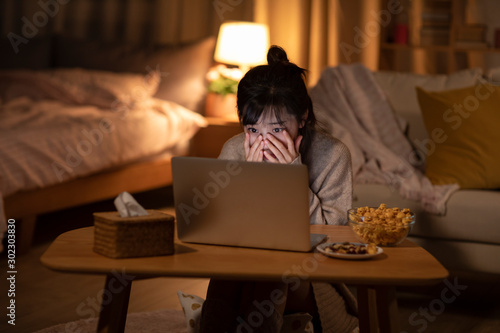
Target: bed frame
x=137, y=177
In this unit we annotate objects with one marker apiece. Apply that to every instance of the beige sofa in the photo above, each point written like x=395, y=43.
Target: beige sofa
x=467, y=237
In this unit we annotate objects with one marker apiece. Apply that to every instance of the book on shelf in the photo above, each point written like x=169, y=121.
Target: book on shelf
x=434, y=36
x=466, y=44
x=436, y=16
x=472, y=32
x=437, y=5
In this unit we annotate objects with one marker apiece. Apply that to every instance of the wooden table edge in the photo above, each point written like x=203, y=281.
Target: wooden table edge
x=142, y=273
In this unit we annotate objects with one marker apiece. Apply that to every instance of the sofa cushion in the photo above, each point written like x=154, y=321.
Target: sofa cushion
x=182, y=67
x=461, y=256
x=400, y=91
x=464, y=128
x=471, y=215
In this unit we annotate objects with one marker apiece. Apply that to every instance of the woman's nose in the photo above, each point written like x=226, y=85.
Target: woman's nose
x=264, y=137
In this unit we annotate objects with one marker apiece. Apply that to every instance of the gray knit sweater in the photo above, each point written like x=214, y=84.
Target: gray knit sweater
x=330, y=176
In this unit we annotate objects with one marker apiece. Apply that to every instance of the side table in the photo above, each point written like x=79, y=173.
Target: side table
x=209, y=140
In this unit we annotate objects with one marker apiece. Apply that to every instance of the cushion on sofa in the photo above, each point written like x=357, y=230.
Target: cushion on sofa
x=464, y=129
x=460, y=256
x=182, y=67
x=400, y=91
x=471, y=215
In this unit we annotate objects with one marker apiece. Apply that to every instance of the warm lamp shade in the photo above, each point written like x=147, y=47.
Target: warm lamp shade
x=242, y=43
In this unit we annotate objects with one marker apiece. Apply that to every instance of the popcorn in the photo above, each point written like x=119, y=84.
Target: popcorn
x=382, y=226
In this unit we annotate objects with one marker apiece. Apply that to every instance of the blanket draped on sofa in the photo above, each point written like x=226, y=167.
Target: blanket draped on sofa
x=351, y=106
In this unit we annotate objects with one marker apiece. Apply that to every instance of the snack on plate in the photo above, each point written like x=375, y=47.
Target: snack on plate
x=382, y=225
x=349, y=248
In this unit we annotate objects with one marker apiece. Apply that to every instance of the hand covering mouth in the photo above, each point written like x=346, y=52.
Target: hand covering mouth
x=269, y=152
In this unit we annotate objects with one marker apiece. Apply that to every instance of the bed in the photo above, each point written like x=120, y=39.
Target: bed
x=93, y=120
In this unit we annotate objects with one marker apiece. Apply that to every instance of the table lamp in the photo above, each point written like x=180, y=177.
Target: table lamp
x=244, y=44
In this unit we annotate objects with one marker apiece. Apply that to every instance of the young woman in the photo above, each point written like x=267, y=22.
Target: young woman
x=277, y=115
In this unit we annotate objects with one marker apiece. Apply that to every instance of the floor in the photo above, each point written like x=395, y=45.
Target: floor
x=45, y=298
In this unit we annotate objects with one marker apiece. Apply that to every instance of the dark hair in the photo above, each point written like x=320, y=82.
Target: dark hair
x=279, y=87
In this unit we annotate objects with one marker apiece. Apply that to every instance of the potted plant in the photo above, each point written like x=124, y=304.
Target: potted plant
x=222, y=88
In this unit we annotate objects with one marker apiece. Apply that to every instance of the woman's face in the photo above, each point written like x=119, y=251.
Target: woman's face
x=268, y=124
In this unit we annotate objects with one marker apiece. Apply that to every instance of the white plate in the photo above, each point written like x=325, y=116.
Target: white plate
x=321, y=248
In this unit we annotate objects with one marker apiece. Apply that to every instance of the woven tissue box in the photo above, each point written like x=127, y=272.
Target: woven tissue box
x=138, y=236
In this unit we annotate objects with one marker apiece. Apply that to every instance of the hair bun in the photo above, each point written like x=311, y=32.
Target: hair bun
x=276, y=55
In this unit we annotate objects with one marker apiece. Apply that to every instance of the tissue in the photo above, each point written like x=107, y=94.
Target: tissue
x=127, y=206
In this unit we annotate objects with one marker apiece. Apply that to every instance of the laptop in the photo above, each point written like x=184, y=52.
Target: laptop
x=244, y=204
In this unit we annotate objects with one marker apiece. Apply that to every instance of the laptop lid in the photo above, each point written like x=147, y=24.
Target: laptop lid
x=238, y=203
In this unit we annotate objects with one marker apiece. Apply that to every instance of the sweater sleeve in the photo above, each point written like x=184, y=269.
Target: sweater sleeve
x=233, y=149
x=330, y=176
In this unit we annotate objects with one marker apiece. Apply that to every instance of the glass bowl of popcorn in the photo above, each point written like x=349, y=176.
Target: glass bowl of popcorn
x=381, y=225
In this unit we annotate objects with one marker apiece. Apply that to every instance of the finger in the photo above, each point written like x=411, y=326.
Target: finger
x=257, y=154
x=255, y=149
x=246, y=144
x=283, y=156
x=271, y=158
x=277, y=143
x=292, y=146
x=298, y=141
x=277, y=148
x=260, y=156
x=288, y=153
x=250, y=147
x=289, y=141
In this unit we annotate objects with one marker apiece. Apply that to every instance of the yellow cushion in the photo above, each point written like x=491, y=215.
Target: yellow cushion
x=464, y=136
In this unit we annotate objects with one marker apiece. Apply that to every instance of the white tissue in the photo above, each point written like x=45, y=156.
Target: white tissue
x=127, y=206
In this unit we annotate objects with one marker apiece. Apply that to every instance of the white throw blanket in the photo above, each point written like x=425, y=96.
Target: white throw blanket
x=353, y=108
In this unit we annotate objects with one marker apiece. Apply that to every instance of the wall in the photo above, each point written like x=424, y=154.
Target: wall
x=134, y=21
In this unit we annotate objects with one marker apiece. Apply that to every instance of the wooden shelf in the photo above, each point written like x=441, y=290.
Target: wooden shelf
x=437, y=48
x=448, y=19
x=481, y=50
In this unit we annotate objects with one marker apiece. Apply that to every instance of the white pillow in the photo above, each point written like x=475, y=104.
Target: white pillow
x=129, y=88
x=78, y=86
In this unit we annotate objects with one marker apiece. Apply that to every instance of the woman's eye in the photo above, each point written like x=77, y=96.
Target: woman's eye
x=252, y=130
x=277, y=130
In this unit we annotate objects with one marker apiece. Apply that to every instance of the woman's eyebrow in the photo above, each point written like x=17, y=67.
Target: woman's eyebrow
x=277, y=123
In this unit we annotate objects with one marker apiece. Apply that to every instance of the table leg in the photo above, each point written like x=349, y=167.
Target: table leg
x=114, y=306
x=378, y=309
x=387, y=309
x=367, y=309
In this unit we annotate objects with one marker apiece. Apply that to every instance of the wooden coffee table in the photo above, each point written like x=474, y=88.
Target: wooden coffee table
x=375, y=279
